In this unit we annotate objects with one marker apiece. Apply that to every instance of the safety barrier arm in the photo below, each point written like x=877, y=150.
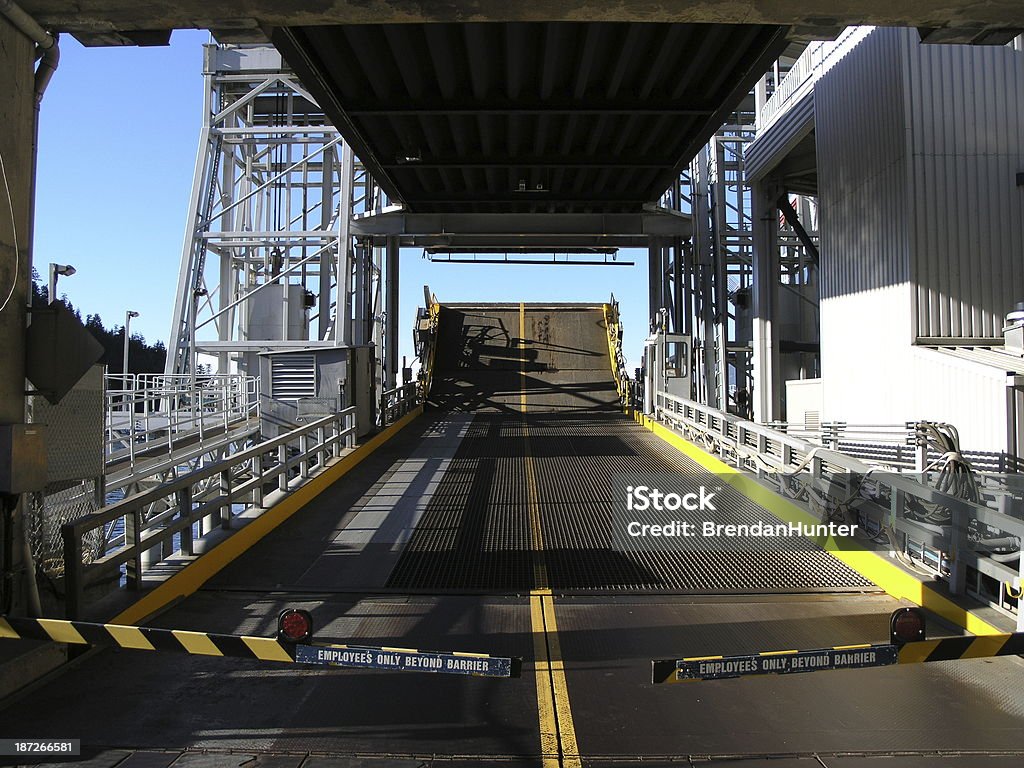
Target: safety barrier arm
x=273, y=649
x=837, y=657
x=302, y=449
x=774, y=455
x=395, y=403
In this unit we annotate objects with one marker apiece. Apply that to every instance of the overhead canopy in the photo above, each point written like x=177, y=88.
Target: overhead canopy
x=528, y=117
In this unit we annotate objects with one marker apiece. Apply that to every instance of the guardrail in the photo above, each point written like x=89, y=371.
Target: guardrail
x=395, y=403
x=893, y=444
x=165, y=410
x=891, y=503
x=242, y=476
x=816, y=58
x=613, y=325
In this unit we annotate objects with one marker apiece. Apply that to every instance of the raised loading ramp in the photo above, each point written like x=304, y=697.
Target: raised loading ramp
x=527, y=501
x=550, y=358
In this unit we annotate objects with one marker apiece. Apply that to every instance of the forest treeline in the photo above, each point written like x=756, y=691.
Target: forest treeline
x=142, y=356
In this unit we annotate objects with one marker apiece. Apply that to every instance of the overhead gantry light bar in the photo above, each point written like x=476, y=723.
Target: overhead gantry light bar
x=528, y=255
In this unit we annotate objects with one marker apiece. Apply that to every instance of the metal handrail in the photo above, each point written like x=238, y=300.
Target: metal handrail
x=398, y=401
x=811, y=64
x=303, y=449
x=162, y=410
x=774, y=455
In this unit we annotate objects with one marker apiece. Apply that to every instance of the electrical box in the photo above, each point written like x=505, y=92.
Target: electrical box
x=267, y=309
x=361, y=389
x=22, y=458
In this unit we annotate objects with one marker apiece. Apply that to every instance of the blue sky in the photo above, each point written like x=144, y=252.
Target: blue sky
x=118, y=139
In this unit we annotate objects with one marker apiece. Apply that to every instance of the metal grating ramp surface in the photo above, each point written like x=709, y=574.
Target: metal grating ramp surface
x=480, y=532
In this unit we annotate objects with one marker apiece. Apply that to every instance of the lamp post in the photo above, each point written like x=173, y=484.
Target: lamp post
x=127, y=323
x=65, y=270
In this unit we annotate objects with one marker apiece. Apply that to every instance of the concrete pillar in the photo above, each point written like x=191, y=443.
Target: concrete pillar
x=767, y=394
x=17, y=126
x=16, y=140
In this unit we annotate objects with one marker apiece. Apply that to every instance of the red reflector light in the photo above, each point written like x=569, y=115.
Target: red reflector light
x=295, y=626
x=907, y=625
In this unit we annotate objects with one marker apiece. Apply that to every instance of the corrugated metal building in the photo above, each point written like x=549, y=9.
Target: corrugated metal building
x=922, y=231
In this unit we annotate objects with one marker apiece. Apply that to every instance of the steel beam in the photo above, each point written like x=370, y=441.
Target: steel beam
x=767, y=395
x=392, y=312
x=555, y=230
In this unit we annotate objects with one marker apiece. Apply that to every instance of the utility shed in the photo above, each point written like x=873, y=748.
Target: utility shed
x=919, y=148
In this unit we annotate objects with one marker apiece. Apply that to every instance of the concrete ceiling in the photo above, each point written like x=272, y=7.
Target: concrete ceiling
x=113, y=22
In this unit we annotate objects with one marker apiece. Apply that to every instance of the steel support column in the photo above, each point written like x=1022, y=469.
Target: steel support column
x=391, y=312
x=679, y=305
x=344, y=263
x=767, y=395
x=361, y=331
x=655, y=278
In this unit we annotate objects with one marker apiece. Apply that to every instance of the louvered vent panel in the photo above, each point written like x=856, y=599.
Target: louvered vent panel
x=292, y=377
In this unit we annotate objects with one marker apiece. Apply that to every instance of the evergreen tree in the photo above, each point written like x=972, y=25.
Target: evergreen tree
x=142, y=357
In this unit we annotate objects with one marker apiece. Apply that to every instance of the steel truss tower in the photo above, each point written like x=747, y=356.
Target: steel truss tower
x=706, y=283
x=268, y=262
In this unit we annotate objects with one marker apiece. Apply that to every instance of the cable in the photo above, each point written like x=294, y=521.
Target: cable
x=14, y=234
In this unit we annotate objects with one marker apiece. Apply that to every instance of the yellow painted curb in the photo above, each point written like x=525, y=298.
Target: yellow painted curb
x=878, y=569
x=190, y=578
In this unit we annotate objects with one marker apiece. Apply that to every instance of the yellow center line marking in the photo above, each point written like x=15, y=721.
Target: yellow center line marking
x=549, y=747
x=557, y=732
x=540, y=570
x=522, y=356
x=566, y=730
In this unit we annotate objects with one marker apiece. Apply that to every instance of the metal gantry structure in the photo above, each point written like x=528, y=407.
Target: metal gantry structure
x=705, y=283
x=268, y=263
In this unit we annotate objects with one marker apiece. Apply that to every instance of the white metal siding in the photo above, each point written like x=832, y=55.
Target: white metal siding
x=771, y=145
x=965, y=110
x=865, y=281
x=862, y=170
x=908, y=201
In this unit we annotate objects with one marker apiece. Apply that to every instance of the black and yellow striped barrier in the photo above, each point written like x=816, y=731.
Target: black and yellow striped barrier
x=260, y=648
x=836, y=657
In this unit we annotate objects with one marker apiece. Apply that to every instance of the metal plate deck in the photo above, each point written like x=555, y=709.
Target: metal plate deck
x=475, y=532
